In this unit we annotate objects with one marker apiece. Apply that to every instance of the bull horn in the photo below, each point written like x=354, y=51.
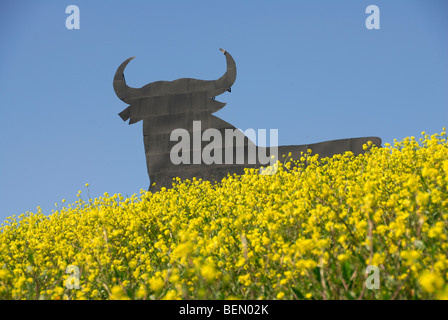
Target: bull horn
x=228, y=79
x=122, y=90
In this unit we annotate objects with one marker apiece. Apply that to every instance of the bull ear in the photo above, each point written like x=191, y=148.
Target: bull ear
x=125, y=114
x=214, y=105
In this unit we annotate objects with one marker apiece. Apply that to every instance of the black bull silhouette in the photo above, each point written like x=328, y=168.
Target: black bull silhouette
x=168, y=105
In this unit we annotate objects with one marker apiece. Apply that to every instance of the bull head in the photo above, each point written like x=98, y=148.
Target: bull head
x=174, y=97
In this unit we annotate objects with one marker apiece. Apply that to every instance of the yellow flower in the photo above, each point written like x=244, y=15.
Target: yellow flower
x=253, y=234
x=141, y=292
x=117, y=293
x=209, y=272
x=156, y=284
x=280, y=295
x=431, y=282
x=171, y=295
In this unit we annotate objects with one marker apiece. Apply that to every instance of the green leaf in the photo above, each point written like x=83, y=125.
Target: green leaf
x=316, y=272
x=298, y=293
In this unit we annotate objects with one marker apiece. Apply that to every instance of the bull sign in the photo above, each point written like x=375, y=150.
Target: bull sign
x=183, y=139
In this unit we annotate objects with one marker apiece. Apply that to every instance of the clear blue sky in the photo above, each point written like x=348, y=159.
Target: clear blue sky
x=308, y=68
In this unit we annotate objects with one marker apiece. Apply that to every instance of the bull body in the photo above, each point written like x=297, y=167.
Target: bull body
x=168, y=105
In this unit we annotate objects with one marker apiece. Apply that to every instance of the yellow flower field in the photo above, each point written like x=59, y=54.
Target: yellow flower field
x=307, y=232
